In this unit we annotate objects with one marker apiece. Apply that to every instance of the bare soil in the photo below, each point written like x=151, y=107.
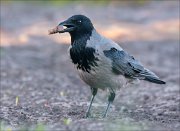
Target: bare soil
x=40, y=75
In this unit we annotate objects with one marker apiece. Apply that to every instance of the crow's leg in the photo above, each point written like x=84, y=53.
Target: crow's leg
x=110, y=100
x=94, y=92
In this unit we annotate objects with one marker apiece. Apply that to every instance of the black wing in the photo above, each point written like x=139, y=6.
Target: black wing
x=123, y=63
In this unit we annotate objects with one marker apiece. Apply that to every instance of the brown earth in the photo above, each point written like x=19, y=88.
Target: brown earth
x=39, y=83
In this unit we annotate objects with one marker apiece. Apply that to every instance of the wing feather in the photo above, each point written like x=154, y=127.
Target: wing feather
x=127, y=65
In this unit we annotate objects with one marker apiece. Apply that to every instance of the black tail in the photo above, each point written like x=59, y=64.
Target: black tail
x=154, y=80
x=151, y=77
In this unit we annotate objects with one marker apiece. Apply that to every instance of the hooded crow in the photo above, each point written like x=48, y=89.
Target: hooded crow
x=100, y=62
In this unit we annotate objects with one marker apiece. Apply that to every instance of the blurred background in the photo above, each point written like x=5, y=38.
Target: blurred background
x=40, y=88
x=142, y=20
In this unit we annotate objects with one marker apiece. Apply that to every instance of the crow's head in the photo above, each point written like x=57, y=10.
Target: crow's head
x=75, y=25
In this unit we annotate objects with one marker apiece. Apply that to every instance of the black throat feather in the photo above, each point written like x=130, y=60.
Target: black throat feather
x=81, y=55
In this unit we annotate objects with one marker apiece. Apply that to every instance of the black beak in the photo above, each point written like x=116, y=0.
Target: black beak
x=63, y=27
x=66, y=26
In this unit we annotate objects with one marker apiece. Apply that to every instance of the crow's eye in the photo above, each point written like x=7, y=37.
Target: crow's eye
x=79, y=21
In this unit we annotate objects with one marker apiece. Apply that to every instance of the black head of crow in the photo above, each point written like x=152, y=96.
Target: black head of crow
x=77, y=25
x=100, y=62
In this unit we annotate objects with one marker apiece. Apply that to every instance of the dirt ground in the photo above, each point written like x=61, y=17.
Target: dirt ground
x=39, y=83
